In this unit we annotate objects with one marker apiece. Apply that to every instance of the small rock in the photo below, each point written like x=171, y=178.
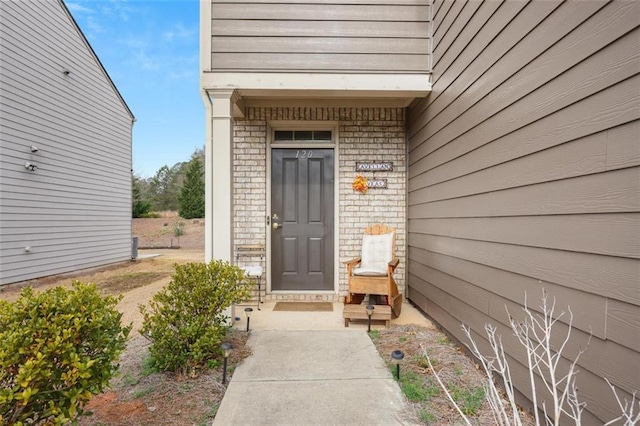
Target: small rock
x=152, y=409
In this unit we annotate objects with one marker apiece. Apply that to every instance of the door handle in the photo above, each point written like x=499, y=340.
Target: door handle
x=276, y=225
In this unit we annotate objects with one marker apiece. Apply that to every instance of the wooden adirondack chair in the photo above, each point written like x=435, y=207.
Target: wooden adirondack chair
x=372, y=274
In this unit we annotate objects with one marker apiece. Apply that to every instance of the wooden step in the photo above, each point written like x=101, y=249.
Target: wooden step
x=357, y=311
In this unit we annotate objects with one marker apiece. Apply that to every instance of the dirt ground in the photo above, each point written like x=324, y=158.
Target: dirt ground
x=140, y=397
x=137, y=280
x=161, y=232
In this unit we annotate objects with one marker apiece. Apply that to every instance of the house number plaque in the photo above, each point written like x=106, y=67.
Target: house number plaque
x=376, y=183
x=375, y=166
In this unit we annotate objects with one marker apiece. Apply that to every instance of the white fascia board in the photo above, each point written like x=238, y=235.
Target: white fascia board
x=257, y=85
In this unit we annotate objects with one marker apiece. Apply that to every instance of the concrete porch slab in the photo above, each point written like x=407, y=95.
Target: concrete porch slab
x=267, y=319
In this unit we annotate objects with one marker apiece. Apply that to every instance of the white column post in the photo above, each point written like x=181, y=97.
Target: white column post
x=219, y=175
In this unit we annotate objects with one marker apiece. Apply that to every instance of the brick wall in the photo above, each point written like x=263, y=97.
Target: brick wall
x=250, y=183
x=365, y=134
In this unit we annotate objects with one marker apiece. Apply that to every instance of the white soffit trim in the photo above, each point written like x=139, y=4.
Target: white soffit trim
x=307, y=102
x=256, y=85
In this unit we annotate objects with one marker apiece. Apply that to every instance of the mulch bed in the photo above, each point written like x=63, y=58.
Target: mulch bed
x=137, y=397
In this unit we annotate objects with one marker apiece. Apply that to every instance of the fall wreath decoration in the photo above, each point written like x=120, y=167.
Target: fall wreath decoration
x=360, y=184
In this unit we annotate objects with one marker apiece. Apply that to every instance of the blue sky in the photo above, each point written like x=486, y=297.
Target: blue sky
x=150, y=50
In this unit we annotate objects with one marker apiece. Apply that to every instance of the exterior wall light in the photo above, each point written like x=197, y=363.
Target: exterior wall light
x=369, y=309
x=33, y=148
x=248, y=312
x=226, y=351
x=30, y=167
x=396, y=357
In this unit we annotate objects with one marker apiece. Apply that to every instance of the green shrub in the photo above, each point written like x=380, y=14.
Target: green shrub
x=57, y=349
x=185, y=320
x=141, y=208
x=150, y=215
x=191, y=196
x=178, y=228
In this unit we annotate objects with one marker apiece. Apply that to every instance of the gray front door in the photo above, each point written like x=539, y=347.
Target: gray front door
x=302, y=219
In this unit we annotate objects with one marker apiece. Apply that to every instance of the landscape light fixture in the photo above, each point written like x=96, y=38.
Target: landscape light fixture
x=396, y=357
x=248, y=312
x=369, y=309
x=226, y=351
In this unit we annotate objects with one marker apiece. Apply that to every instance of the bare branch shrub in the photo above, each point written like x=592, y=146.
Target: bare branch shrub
x=543, y=362
x=628, y=416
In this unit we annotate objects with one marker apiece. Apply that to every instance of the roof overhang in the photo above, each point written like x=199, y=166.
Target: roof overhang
x=399, y=88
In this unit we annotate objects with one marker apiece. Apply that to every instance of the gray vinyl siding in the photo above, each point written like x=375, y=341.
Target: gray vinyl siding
x=524, y=174
x=322, y=36
x=74, y=211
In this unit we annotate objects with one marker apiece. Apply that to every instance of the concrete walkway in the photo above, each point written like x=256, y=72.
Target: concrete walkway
x=308, y=369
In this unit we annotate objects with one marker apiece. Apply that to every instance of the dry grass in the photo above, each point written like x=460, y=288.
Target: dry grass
x=160, y=232
x=428, y=403
x=128, y=281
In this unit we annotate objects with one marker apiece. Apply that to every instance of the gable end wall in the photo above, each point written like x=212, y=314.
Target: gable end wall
x=74, y=211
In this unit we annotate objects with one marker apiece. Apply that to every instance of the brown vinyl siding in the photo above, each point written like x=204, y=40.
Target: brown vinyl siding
x=337, y=36
x=524, y=174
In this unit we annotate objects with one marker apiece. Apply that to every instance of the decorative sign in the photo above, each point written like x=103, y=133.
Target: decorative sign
x=375, y=166
x=376, y=183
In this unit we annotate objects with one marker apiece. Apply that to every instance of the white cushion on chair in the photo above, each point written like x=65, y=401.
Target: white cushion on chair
x=377, y=252
x=369, y=272
x=252, y=271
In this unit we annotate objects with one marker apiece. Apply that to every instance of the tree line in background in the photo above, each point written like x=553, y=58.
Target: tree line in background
x=180, y=187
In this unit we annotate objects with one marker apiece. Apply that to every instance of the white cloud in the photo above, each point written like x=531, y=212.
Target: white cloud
x=146, y=62
x=94, y=26
x=183, y=75
x=78, y=8
x=120, y=9
x=178, y=31
x=136, y=41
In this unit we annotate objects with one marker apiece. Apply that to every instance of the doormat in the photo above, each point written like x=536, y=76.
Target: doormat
x=304, y=306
